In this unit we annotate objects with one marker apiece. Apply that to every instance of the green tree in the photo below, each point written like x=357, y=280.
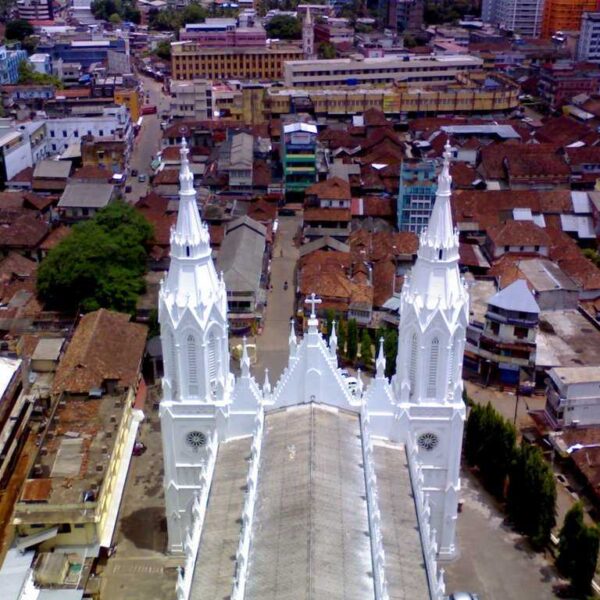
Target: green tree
x=390, y=350
x=366, y=350
x=193, y=13
x=27, y=74
x=163, y=50
x=586, y=558
x=592, y=255
x=115, y=19
x=569, y=539
x=326, y=50
x=284, y=27
x=409, y=40
x=18, y=29
x=473, y=435
x=99, y=265
x=352, y=340
x=531, y=501
x=341, y=333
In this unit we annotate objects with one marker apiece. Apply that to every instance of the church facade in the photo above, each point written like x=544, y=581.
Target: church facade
x=350, y=461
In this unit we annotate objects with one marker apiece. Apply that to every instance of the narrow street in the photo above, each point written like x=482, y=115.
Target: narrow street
x=147, y=142
x=272, y=344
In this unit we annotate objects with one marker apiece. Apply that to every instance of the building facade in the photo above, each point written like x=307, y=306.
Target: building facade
x=190, y=60
x=191, y=100
x=299, y=156
x=524, y=17
x=212, y=422
x=435, y=70
x=562, y=80
x=565, y=15
x=416, y=196
x=35, y=10
x=9, y=64
x=223, y=33
x=588, y=47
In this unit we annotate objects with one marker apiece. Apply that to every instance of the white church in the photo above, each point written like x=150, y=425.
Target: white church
x=306, y=489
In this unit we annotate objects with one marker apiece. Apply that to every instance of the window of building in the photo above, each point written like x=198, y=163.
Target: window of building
x=64, y=528
x=173, y=365
x=412, y=369
x=212, y=357
x=495, y=327
x=434, y=353
x=521, y=332
x=192, y=366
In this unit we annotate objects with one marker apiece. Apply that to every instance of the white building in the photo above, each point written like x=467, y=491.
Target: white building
x=114, y=122
x=573, y=396
x=519, y=16
x=191, y=100
x=272, y=487
x=588, y=47
x=41, y=63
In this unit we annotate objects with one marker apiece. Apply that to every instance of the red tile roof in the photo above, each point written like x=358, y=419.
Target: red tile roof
x=518, y=233
x=327, y=214
x=334, y=188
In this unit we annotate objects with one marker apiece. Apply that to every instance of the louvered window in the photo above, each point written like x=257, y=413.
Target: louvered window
x=434, y=353
x=412, y=365
x=192, y=366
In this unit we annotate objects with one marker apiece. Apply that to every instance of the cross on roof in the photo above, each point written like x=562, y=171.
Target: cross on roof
x=313, y=301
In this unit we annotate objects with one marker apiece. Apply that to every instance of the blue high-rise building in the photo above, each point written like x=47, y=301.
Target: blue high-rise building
x=9, y=65
x=416, y=196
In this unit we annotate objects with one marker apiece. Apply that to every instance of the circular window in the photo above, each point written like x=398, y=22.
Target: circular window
x=428, y=441
x=195, y=439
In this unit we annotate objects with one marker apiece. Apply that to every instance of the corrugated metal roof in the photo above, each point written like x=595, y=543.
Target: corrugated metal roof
x=516, y=297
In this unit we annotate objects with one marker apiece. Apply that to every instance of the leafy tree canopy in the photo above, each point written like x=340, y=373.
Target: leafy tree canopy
x=326, y=50
x=284, y=27
x=27, y=74
x=18, y=29
x=99, y=265
x=163, y=50
x=125, y=10
x=173, y=20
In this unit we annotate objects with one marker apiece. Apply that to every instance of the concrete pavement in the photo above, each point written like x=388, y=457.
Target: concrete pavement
x=495, y=562
x=272, y=344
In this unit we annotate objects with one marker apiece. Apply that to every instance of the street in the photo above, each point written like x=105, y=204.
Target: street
x=147, y=142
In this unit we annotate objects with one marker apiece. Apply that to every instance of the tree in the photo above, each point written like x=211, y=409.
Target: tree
x=586, y=558
x=366, y=350
x=284, y=27
x=592, y=255
x=193, y=13
x=326, y=50
x=531, y=501
x=27, y=74
x=163, y=50
x=18, y=29
x=115, y=19
x=569, y=539
x=390, y=350
x=99, y=265
x=409, y=40
x=352, y=340
x=341, y=333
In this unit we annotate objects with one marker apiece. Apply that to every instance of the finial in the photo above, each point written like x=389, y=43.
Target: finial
x=381, y=362
x=267, y=384
x=245, y=361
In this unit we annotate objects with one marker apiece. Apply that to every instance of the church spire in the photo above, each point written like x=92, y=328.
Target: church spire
x=381, y=362
x=190, y=237
x=440, y=232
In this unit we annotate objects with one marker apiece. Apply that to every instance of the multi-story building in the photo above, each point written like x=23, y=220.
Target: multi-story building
x=519, y=16
x=191, y=100
x=562, y=80
x=333, y=31
x=565, y=15
x=223, y=33
x=112, y=123
x=572, y=397
x=466, y=95
x=15, y=152
x=299, y=155
x=416, y=197
x=190, y=60
x=588, y=48
x=9, y=64
x=35, y=10
x=73, y=492
x=130, y=98
x=388, y=69
x=507, y=343
x=84, y=52
x=42, y=63
x=402, y=15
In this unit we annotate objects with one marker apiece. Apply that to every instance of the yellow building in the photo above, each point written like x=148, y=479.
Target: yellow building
x=130, y=99
x=73, y=493
x=468, y=94
x=190, y=60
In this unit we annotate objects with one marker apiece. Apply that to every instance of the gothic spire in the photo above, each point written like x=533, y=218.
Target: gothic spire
x=440, y=231
x=380, y=363
x=190, y=237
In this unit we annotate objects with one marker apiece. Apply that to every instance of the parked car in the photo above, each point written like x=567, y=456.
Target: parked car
x=463, y=596
x=142, y=177
x=134, y=173
x=139, y=448
x=128, y=189
x=352, y=384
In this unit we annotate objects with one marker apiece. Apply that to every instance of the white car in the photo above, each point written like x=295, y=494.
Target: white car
x=352, y=384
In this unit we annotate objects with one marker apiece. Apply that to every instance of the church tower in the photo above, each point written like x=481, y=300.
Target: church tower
x=308, y=36
x=197, y=382
x=434, y=312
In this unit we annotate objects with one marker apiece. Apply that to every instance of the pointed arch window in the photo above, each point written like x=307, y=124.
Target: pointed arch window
x=412, y=365
x=212, y=357
x=192, y=358
x=173, y=366
x=434, y=354
x=451, y=363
